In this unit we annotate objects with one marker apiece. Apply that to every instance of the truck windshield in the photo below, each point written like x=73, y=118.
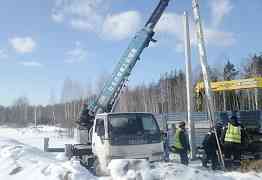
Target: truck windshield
x=132, y=124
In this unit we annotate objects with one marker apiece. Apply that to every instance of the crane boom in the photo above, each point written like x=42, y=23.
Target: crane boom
x=113, y=86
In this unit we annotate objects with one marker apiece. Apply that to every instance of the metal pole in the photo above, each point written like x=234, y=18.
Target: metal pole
x=46, y=144
x=224, y=101
x=203, y=62
x=256, y=99
x=191, y=124
x=35, y=116
x=53, y=114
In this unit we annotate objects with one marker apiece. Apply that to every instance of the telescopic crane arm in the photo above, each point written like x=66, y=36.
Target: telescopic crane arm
x=112, y=88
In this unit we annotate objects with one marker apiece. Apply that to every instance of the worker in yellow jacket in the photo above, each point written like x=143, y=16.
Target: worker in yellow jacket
x=181, y=143
x=231, y=139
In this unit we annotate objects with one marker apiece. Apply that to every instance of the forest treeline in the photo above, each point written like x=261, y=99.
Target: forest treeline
x=168, y=94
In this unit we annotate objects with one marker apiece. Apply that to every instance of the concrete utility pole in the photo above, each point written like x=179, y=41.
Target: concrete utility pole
x=224, y=101
x=35, y=113
x=203, y=62
x=191, y=124
x=256, y=99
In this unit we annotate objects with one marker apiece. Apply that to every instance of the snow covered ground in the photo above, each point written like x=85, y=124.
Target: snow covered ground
x=22, y=158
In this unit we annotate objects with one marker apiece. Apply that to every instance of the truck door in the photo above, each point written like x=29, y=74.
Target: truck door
x=98, y=144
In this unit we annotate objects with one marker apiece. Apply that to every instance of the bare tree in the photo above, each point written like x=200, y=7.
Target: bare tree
x=20, y=107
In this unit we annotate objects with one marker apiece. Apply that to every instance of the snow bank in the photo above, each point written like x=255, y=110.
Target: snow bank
x=51, y=131
x=20, y=161
x=23, y=159
x=130, y=169
x=34, y=136
x=125, y=170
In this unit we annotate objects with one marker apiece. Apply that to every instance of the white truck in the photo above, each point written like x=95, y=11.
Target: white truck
x=125, y=136
x=105, y=135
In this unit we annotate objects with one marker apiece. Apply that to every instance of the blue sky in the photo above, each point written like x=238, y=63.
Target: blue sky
x=44, y=42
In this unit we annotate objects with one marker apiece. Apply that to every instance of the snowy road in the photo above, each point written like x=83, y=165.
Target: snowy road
x=22, y=158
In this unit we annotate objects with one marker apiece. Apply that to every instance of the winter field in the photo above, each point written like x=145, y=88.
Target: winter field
x=22, y=158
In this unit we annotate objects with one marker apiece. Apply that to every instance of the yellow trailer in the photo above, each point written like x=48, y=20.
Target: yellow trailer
x=240, y=84
x=232, y=85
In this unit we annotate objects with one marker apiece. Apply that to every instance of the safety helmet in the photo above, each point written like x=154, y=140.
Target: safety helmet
x=233, y=119
x=181, y=124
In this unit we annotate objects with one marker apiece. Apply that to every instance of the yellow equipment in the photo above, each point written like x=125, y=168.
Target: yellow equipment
x=232, y=85
x=241, y=84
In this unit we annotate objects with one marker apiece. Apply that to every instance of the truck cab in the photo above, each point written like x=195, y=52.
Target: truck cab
x=125, y=136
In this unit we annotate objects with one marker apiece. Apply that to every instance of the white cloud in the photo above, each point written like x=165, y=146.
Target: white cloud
x=77, y=54
x=219, y=9
x=120, y=26
x=31, y=64
x=92, y=16
x=172, y=24
x=220, y=38
x=23, y=44
x=84, y=25
x=57, y=17
x=81, y=14
x=3, y=54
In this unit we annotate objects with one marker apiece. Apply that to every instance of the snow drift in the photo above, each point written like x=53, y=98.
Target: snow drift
x=20, y=161
x=172, y=171
x=21, y=158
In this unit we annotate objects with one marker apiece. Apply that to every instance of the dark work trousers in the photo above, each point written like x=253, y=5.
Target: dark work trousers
x=232, y=149
x=166, y=150
x=211, y=155
x=183, y=156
